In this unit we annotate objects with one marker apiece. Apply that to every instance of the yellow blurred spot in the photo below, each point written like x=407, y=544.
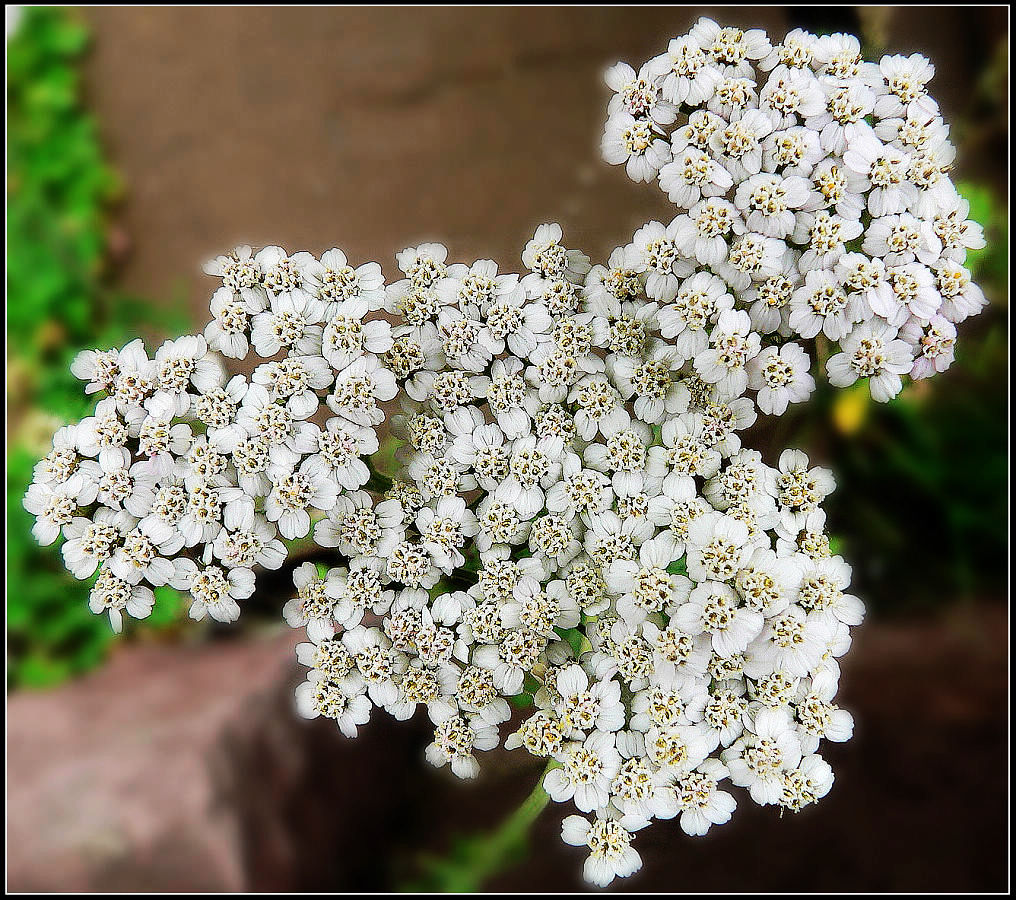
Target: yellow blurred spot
x=850, y=408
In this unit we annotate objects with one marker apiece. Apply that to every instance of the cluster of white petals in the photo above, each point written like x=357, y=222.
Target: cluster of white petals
x=576, y=527
x=578, y=556
x=814, y=196
x=187, y=476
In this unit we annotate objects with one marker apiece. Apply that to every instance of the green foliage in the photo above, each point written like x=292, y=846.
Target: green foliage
x=384, y=462
x=936, y=459
x=990, y=264
x=48, y=638
x=59, y=189
x=920, y=503
x=576, y=639
x=59, y=193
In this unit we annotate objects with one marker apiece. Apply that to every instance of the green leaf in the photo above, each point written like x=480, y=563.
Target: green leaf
x=678, y=566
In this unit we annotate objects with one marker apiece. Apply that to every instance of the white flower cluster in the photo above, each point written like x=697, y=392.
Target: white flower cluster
x=815, y=197
x=576, y=528
x=578, y=522
x=188, y=477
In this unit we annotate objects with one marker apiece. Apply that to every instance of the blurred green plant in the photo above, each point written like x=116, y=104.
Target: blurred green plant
x=920, y=504
x=60, y=191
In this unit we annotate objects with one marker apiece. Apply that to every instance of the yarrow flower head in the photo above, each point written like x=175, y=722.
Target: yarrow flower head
x=575, y=524
x=187, y=476
x=816, y=186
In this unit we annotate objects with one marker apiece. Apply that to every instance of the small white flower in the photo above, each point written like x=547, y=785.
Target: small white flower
x=115, y=596
x=246, y=548
x=734, y=346
x=637, y=94
x=359, y=389
x=444, y=530
x=131, y=489
x=456, y=738
x=346, y=336
x=587, y=770
x=104, y=436
x=314, y=605
x=731, y=48
x=695, y=796
x=688, y=73
x=293, y=322
x=216, y=408
x=180, y=365
x=881, y=169
x=874, y=352
x=933, y=345
x=544, y=255
x=660, y=256
x=423, y=265
x=636, y=144
x=822, y=591
x=611, y=854
x=714, y=609
x=295, y=492
x=214, y=591
x=645, y=587
x=229, y=331
x=790, y=642
x=822, y=305
x=903, y=81
x=333, y=281
x=781, y=377
x=295, y=381
x=282, y=275
x=161, y=442
x=759, y=759
x=323, y=697
x=91, y=541
x=239, y=272
x=53, y=508
x=143, y=557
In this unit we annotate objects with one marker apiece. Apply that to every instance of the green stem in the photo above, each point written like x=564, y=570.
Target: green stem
x=517, y=825
x=478, y=858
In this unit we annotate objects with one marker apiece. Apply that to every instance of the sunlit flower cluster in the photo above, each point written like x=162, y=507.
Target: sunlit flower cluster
x=575, y=553
x=814, y=196
x=576, y=530
x=189, y=477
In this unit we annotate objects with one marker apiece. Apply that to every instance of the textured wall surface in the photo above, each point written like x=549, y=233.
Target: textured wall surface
x=373, y=129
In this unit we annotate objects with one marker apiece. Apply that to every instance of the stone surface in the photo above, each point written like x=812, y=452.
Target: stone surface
x=370, y=129
x=109, y=777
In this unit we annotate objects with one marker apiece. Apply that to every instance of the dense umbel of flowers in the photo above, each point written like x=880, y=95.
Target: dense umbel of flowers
x=576, y=526
x=814, y=188
x=186, y=476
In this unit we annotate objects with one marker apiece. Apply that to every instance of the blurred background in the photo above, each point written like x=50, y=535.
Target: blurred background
x=142, y=141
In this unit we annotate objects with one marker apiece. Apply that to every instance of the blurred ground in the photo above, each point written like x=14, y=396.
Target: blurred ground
x=184, y=769
x=181, y=768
